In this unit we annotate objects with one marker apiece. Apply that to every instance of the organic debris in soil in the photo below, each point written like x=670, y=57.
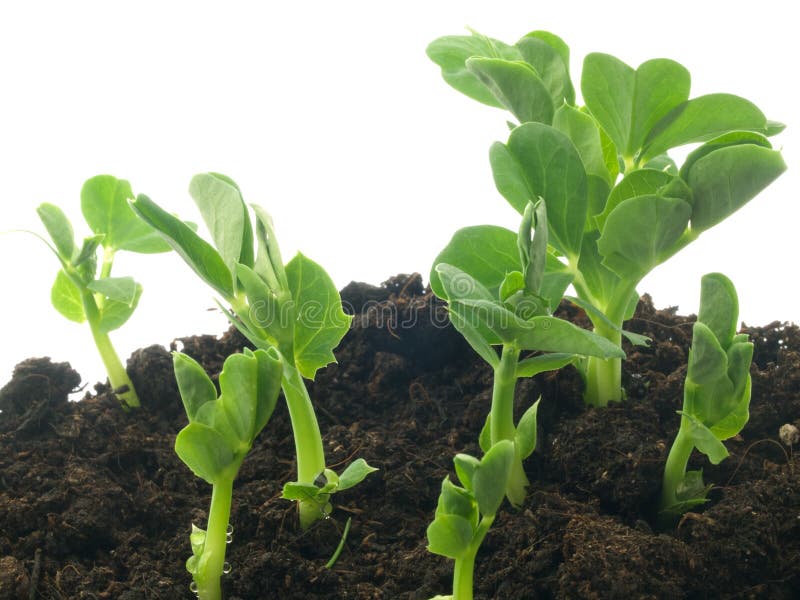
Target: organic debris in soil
x=95, y=504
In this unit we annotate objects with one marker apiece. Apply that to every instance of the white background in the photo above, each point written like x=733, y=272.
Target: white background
x=331, y=116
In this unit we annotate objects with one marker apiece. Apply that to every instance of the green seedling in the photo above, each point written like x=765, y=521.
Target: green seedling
x=716, y=397
x=81, y=292
x=500, y=294
x=213, y=445
x=465, y=514
x=618, y=204
x=294, y=308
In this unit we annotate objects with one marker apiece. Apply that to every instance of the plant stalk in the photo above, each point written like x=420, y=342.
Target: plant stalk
x=307, y=440
x=463, y=571
x=675, y=468
x=502, y=419
x=121, y=384
x=212, y=561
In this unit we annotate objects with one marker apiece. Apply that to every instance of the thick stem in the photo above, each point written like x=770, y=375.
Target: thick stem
x=307, y=440
x=604, y=376
x=675, y=469
x=464, y=569
x=121, y=384
x=212, y=561
x=502, y=419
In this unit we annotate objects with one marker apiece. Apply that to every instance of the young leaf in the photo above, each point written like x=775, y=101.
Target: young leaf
x=59, y=228
x=194, y=385
x=553, y=170
x=585, y=133
x=354, y=474
x=269, y=263
x=489, y=479
x=238, y=395
x=641, y=233
x=486, y=252
x=641, y=182
x=454, y=500
x=269, y=370
x=705, y=441
x=119, y=289
x=530, y=367
x=198, y=254
x=525, y=435
x=66, y=298
x=701, y=119
x=320, y=321
x=719, y=307
x=451, y=54
x=549, y=56
x=225, y=214
x=516, y=85
x=115, y=314
x=206, y=452
x=726, y=179
x=450, y=536
x=608, y=87
x=707, y=359
x=466, y=466
x=104, y=203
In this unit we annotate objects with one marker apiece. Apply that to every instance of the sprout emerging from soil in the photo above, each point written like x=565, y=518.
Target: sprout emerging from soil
x=716, y=397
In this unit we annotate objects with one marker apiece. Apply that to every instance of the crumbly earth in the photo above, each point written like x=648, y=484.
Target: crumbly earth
x=95, y=504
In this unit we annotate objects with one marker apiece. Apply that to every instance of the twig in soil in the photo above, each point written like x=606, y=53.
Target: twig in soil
x=352, y=454
x=340, y=547
x=747, y=450
x=36, y=573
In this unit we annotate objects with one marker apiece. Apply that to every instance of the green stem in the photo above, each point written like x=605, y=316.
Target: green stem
x=502, y=418
x=463, y=572
x=307, y=441
x=117, y=375
x=212, y=561
x=675, y=469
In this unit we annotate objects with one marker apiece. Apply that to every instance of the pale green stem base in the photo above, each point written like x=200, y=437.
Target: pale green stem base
x=675, y=469
x=464, y=569
x=212, y=561
x=307, y=441
x=502, y=419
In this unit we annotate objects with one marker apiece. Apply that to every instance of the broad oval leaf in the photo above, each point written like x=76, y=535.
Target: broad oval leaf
x=450, y=536
x=354, y=474
x=708, y=361
x=320, y=323
x=734, y=138
x=59, y=228
x=700, y=119
x=270, y=368
x=517, y=86
x=543, y=51
x=706, y=442
x=642, y=232
x=726, y=179
x=238, y=383
x=451, y=54
x=584, y=132
x=66, y=298
x=490, y=478
x=119, y=289
x=115, y=314
x=205, y=452
x=454, y=500
x=487, y=252
x=105, y=206
x=719, y=307
x=465, y=468
x=194, y=385
x=561, y=48
x=608, y=87
x=641, y=182
x=550, y=334
x=553, y=170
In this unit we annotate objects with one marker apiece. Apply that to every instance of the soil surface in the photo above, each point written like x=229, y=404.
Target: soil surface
x=95, y=504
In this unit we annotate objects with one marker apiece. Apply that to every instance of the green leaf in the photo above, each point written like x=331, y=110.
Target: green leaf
x=530, y=367
x=320, y=322
x=661, y=85
x=545, y=53
x=725, y=180
x=270, y=368
x=485, y=436
x=553, y=170
x=238, y=383
x=708, y=361
x=204, y=451
x=104, y=203
x=300, y=491
x=115, y=314
x=516, y=85
x=640, y=233
x=269, y=264
x=354, y=474
x=550, y=334
x=86, y=259
x=486, y=252
x=451, y=54
x=475, y=338
x=66, y=298
x=733, y=422
x=641, y=182
x=198, y=254
x=120, y=289
x=454, y=500
x=584, y=132
x=450, y=536
x=490, y=478
x=225, y=214
x=719, y=307
x=525, y=435
x=705, y=441
x=59, y=229
x=701, y=119
x=608, y=86
x=734, y=138
x=465, y=469
x=194, y=385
